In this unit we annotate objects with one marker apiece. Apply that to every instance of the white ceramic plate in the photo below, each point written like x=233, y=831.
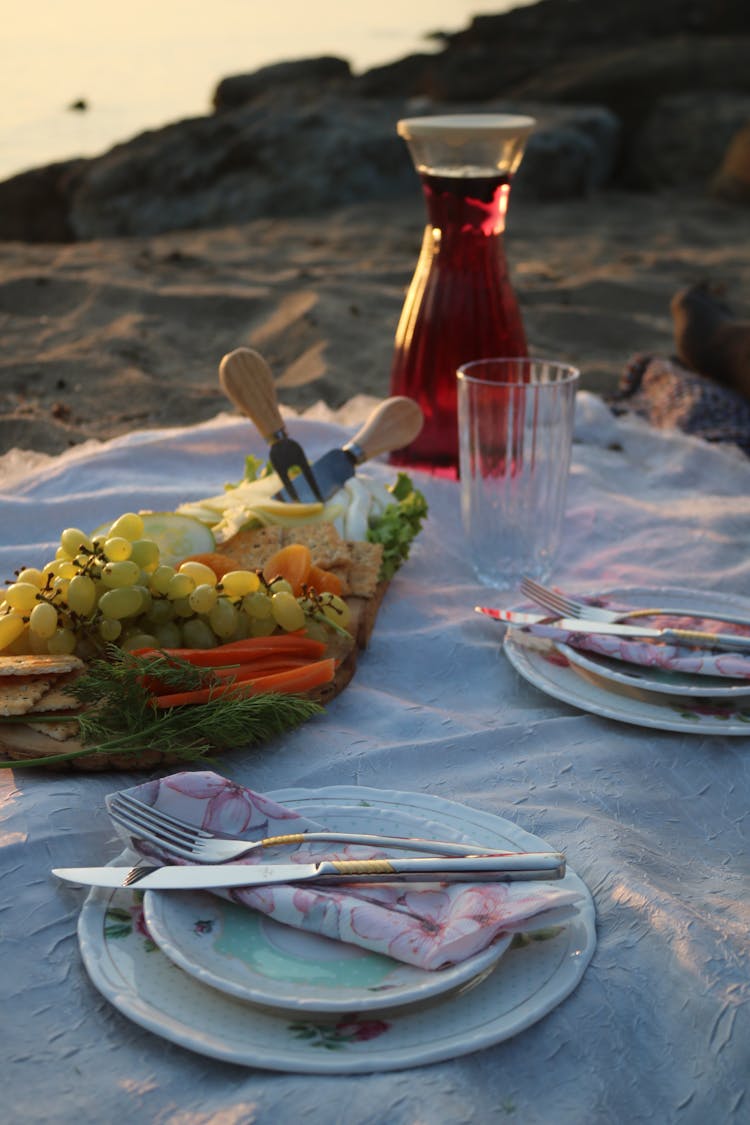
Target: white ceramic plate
x=659, y=680
x=249, y=955
x=547, y=666
x=139, y=980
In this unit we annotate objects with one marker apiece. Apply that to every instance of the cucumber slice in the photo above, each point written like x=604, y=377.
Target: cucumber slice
x=177, y=536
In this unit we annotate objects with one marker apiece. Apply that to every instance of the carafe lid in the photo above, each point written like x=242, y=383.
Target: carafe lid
x=476, y=141
x=466, y=126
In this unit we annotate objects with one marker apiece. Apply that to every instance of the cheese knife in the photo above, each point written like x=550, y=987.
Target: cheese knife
x=504, y=868
x=546, y=625
x=393, y=424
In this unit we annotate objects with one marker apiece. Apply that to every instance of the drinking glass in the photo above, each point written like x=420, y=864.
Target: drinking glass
x=515, y=431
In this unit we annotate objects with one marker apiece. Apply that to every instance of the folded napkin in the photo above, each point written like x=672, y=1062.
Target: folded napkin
x=431, y=926
x=656, y=654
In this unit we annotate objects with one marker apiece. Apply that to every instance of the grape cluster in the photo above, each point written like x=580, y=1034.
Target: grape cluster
x=117, y=590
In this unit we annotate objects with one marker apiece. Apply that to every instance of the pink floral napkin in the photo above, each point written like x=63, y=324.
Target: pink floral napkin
x=431, y=926
x=651, y=654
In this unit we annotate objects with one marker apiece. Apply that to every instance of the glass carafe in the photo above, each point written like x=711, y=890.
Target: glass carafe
x=460, y=305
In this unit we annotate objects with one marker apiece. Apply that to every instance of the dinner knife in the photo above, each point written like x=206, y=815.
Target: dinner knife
x=393, y=424
x=514, y=867
x=547, y=625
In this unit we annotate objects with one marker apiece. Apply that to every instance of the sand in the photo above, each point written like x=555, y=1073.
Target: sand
x=100, y=338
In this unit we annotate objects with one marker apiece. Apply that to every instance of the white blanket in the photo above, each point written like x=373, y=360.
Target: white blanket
x=655, y=823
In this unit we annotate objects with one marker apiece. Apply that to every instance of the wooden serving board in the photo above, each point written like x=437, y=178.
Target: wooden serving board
x=19, y=741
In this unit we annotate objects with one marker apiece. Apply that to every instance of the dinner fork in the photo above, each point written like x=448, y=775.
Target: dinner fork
x=190, y=842
x=564, y=606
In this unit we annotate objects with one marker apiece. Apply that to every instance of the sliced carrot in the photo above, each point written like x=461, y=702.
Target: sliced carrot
x=240, y=652
x=292, y=562
x=236, y=673
x=292, y=682
x=266, y=667
x=324, y=581
x=219, y=564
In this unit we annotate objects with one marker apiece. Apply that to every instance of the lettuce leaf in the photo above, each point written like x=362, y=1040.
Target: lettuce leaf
x=397, y=527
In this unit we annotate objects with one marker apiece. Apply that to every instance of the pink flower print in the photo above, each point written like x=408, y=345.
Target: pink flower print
x=408, y=933
x=229, y=807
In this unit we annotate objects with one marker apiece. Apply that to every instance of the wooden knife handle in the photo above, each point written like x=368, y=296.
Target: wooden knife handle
x=392, y=425
x=246, y=380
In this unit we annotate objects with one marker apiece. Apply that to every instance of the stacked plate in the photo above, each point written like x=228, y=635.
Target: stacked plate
x=232, y=984
x=631, y=693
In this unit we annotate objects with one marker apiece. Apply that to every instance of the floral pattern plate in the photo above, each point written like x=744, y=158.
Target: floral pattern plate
x=533, y=977
x=547, y=666
x=659, y=680
x=255, y=958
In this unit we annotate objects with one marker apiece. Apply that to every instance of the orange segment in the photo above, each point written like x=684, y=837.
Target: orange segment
x=293, y=563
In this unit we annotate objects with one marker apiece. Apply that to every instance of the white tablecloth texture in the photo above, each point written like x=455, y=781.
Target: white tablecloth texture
x=656, y=823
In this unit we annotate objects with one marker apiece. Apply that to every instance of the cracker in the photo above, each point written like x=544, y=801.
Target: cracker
x=19, y=694
x=252, y=549
x=366, y=560
x=39, y=665
x=60, y=732
x=56, y=699
x=327, y=548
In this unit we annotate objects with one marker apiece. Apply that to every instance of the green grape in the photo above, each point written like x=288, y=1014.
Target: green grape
x=239, y=583
x=109, y=629
x=21, y=596
x=242, y=630
x=280, y=586
x=117, y=548
x=60, y=568
x=60, y=588
x=146, y=599
x=139, y=640
x=169, y=635
x=180, y=586
x=81, y=595
x=145, y=553
x=201, y=574
x=197, y=634
x=72, y=539
x=335, y=609
x=257, y=606
x=36, y=644
x=183, y=608
x=129, y=526
x=223, y=618
x=317, y=631
x=203, y=598
x=31, y=575
x=287, y=612
x=160, y=612
x=123, y=573
x=62, y=641
x=159, y=580
x=62, y=555
x=262, y=626
x=122, y=602
x=43, y=620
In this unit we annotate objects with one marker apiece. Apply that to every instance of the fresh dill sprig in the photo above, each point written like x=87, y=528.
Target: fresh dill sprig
x=119, y=717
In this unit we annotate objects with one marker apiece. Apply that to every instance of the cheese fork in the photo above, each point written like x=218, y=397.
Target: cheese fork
x=562, y=605
x=186, y=841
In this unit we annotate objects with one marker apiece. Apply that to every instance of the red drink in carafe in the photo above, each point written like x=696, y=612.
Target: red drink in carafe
x=460, y=307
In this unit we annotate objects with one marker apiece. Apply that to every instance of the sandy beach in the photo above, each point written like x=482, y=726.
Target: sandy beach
x=107, y=336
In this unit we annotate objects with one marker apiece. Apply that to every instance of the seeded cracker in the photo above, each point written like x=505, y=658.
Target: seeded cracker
x=251, y=550
x=366, y=559
x=326, y=546
x=19, y=694
x=59, y=731
x=39, y=665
